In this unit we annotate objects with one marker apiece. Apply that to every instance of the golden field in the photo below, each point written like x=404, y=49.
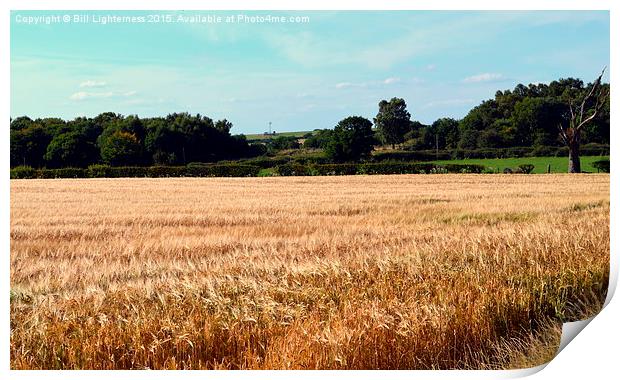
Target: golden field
x=356, y=272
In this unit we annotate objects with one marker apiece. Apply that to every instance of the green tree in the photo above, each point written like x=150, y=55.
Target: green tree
x=535, y=121
x=162, y=142
x=599, y=129
x=418, y=136
x=121, y=142
x=351, y=140
x=319, y=139
x=477, y=120
x=28, y=145
x=443, y=132
x=180, y=138
x=68, y=149
x=392, y=121
x=54, y=126
x=20, y=123
x=199, y=141
x=490, y=138
x=469, y=139
x=121, y=148
x=223, y=126
x=104, y=120
x=283, y=142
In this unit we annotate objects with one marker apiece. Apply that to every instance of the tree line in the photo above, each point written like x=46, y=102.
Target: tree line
x=527, y=116
x=117, y=140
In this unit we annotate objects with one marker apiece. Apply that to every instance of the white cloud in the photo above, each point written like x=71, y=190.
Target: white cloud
x=431, y=67
x=92, y=83
x=88, y=95
x=83, y=95
x=391, y=80
x=485, y=77
x=372, y=84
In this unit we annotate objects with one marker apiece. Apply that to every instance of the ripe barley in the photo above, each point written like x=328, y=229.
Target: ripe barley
x=407, y=271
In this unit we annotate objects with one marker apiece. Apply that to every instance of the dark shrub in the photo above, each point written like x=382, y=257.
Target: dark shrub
x=105, y=171
x=464, y=168
x=61, y=173
x=99, y=171
x=395, y=168
x=594, y=149
x=335, y=169
x=420, y=155
x=515, y=152
x=22, y=172
x=219, y=170
x=311, y=159
x=264, y=162
x=545, y=151
x=602, y=166
x=234, y=171
x=526, y=168
x=129, y=171
x=375, y=168
x=167, y=171
x=293, y=170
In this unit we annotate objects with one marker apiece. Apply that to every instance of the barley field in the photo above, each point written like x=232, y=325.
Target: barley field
x=359, y=272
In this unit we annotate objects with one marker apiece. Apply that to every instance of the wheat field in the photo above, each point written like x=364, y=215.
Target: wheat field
x=356, y=272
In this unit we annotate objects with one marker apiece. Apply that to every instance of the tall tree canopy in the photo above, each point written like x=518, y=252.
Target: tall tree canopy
x=392, y=121
x=351, y=140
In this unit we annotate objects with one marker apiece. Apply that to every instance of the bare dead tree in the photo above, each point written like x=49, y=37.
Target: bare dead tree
x=582, y=113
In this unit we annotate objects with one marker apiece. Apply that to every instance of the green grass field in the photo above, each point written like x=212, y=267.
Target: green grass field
x=558, y=164
x=260, y=136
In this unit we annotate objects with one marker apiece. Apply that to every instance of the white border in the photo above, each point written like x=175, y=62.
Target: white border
x=314, y=5
x=591, y=354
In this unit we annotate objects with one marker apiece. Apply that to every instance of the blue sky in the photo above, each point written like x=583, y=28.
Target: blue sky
x=299, y=76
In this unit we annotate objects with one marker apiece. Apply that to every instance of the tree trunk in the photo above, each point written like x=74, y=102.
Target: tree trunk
x=574, y=162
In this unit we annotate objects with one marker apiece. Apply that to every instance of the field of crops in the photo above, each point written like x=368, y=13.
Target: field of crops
x=351, y=272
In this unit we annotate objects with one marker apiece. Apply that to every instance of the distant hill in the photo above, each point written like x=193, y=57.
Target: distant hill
x=261, y=136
